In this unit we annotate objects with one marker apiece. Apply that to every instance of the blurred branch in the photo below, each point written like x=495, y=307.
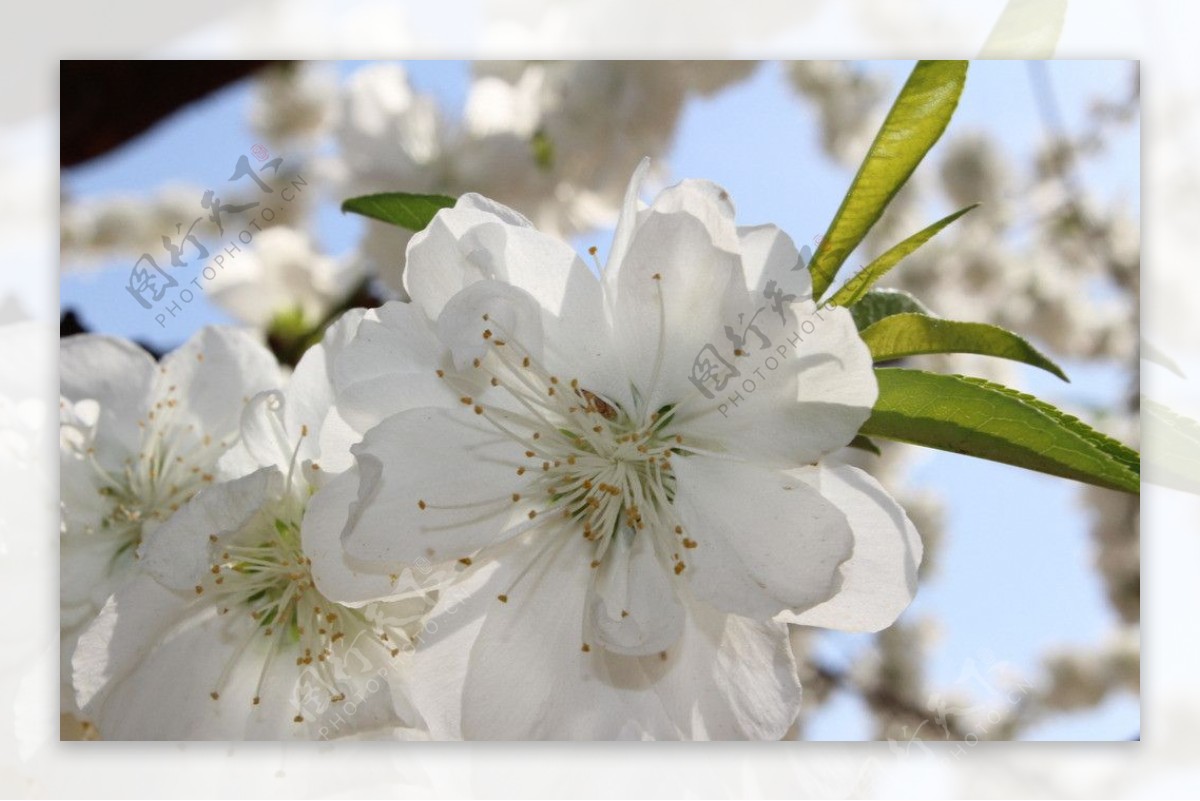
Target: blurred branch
x=884, y=700
x=104, y=104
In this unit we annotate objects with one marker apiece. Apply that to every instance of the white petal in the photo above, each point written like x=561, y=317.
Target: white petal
x=880, y=578
x=91, y=567
x=735, y=678
x=626, y=223
x=632, y=607
x=178, y=554
x=216, y=371
x=122, y=635
x=802, y=397
x=146, y=670
x=264, y=442
x=674, y=292
x=705, y=201
x=486, y=311
x=310, y=391
x=338, y=576
x=459, y=467
x=478, y=240
x=390, y=365
x=769, y=255
x=763, y=541
x=118, y=375
x=529, y=677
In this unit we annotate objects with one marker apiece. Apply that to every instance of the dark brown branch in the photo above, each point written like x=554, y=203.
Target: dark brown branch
x=104, y=104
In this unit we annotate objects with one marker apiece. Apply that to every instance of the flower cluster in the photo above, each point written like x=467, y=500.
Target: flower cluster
x=504, y=509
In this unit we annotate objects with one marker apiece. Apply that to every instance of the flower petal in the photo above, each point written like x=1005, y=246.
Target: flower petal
x=879, y=579
x=803, y=396
x=118, y=375
x=632, y=607
x=390, y=365
x=339, y=576
x=487, y=311
x=147, y=669
x=768, y=254
x=757, y=541
x=480, y=240
x=216, y=371
x=530, y=678
x=627, y=222
x=178, y=553
x=673, y=292
x=435, y=484
x=310, y=391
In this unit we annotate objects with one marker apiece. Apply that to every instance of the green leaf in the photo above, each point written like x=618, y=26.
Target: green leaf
x=978, y=418
x=880, y=303
x=865, y=278
x=915, y=122
x=865, y=444
x=903, y=335
x=413, y=212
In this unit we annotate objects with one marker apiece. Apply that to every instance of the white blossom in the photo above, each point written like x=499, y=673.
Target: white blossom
x=282, y=275
x=223, y=631
x=136, y=441
x=633, y=549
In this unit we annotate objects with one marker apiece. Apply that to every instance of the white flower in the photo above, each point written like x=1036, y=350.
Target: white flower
x=636, y=537
x=137, y=440
x=529, y=138
x=224, y=633
x=389, y=137
x=293, y=101
x=282, y=276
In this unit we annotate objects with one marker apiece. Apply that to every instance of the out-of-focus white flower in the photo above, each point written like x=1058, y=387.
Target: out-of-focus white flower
x=223, y=632
x=293, y=101
x=553, y=139
x=137, y=440
x=848, y=101
x=972, y=171
x=390, y=138
x=94, y=228
x=282, y=276
x=633, y=545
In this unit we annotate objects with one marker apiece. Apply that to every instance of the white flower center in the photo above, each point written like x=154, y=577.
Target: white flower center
x=172, y=465
x=586, y=459
x=262, y=572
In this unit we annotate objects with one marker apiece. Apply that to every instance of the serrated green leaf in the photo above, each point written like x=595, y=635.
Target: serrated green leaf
x=915, y=122
x=413, y=212
x=880, y=303
x=978, y=418
x=903, y=335
x=864, y=279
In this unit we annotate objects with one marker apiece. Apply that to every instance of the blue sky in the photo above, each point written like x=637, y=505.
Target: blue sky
x=1015, y=575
